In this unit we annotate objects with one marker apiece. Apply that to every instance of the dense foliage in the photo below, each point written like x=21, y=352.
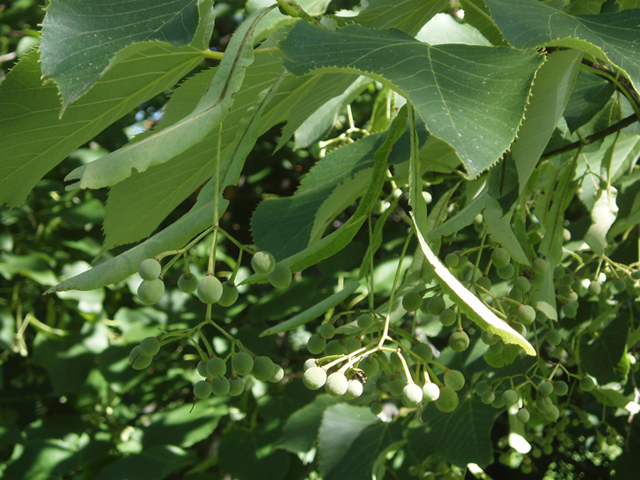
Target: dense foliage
x=396, y=239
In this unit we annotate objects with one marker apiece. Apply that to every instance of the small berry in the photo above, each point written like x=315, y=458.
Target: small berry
x=553, y=413
x=587, y=384
x=554, y=337
x=314, y=378
x=459, y=341
x=526, y=314
x=561, y=388
x=522, y=284
x=540, y=266
x=523, y=415
x=412, y=395
x=334, y=347
x=236, y=386
x=242, y=363
x=447, y=401
x=365, y=321
x=546, y=388
x=484, y=282
x=376, y=408
x=382, y=384
x=570, y=310
x=327, y=330
x=454, y=379
x=412, y=301
x=505, y=273
x=396, y=386
x=187, y=284
x=370, y=366
x=354, y=389
x=202, y=390
x=488, y=397
x=496, y=348
x=202, y=369
x=263, y=368
x=558, y=272
x=311, y=362
x=500, y=257
x=620, y=285
x=543, y=404
x=595, y=288
x=278, y=374
x=281, y=276
x=263, y=263
x=336, y=384
x=452, y=260
x=435, y=305
x=447, y=317
x=352, y=345
x=151, y=291
x=149, y=269
x=481, y=387
x=216, y=367
x=520, y=328
x=316, y=344
x=430, y=392
x=138, y=360
x=510, y=397
x=220, y=386
x=150, y=346
x=489, y=338
x=229, y=295
x=423, y=350
x=209, y=289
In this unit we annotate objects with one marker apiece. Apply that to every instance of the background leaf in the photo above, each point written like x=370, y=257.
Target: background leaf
x=601, y=356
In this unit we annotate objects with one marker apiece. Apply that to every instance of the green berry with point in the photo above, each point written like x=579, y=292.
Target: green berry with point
x=229, y=295
x=280, y=277
x=510, y=397
x=546, y=388
x=314, y=378
x=396, y=386
x=447, y=401
x=447, y=317
x=526, y=314
x=570, y=310
x=138, y=360
x=459, y=341
x=220, y=386
x=484, y=282
x=595, y=288
x=216, y=367
x=587, y=384
x=352, y=344
x=500, y=257
x=452, y=260
x=334, y=347
x=522, y=284
x=435, y=305
x=423, y=351
x=149, y=269
x=263, y=263
x=242, y=363
x=187, y=284
x=505, y=273
x=202, y=390
x=488, y=397
x=370, y=366
x=412, y=301
x=354, y=389
x=543, y=404
x=150, y=346
x=561, y=388
x=202, y=369
x=539, y=266
x=430, y=392
x=150, y=291
x=498, y=402
x=336, y=384
x=554, y=337
x=236, y=386
x=365, y=321
x=263, y=368
x=327, y=330
x=620, y=285
x=278, y=374
x=316, y=344
x=376, y=408
x=552, y=414
x=412, y=395
x=454, y=379
x=209, y=289
x=523, y=415
x=481, y=387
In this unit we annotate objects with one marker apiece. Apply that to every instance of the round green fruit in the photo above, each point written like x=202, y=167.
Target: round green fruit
x=151, y=291
x=505, y=273
x=412, y=301
x=522, y=284
x=209, y=289
x=561, y=388
x=229, y=295
x=430, y=392
x=526, y=314
x=236, y=387
x=510, y=397
x=540, y=266
x=216, y=367
x=412, y=395
x=376, y=408
x=311, y=362
x=452, y=260
x=187, y=284
x=150, y=346
x=489, y=338
x=553, y=413
x=454, y=379
x=354, y=389
x=242, y=363
x=336, y=384
x=459, y=341
x=202, y=369
x=520, y=328
x=220, y=386
x=484, y=282
x=423, y=351
x=500, y=257
x=496, y=348
x=263, y=368
x=316, y=344
x=370, y=366
x=523, y=415
x=554, y=337
x=570, y=310
x=546, y=388
x=447, y=401
x=595, y=288
x=281, y=276
x=447, y=317
x=365, y=321
x=334, y=347
x=149, y=269
x=481, y=387
x=396, y=386
x=327, y=330
x=352, y=345
x=314, y=378
x=138, y=360
x=278, y=374
x=435, y=305
x=543, y=404
x=382, y=384
x=498, y=402
x=202, y=390
x=587, y=384
x=263, y=263
x=488, y=397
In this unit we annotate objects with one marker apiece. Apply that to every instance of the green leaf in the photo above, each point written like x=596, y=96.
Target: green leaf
x=443, y=28
x=454, y=93
x=477, y=13
x=589, y=96
x=613, y=398
x=175, y=139
x=461, y=437
x=506, y=357
x=246, y=455
x=549, y=96
x=477, y=311
x=275, y=20
x=301, y=431
x=499, y=227
x=584, y=7
x=406, y=15
x=79, y=38
x=601, y=356
x=350, y=440
x=626, y=4
x=613, y=37
x=154, y=463
x=603, y=215
x=35, y=139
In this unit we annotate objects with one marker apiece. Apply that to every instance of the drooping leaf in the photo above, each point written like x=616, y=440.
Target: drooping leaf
x=461, y=437
x=443, y=29
x=351, y=438
x=171, y=141
x=301, y=431
x=455, y=93
x=612, y=37
x=477, y=311
x=34, y=139
x=406, y=15
x=601, y=356
x=79, y=38
x=590, y=94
